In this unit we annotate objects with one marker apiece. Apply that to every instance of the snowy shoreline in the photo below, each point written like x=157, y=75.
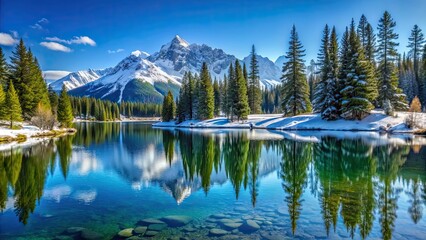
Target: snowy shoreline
x=29, y=135
x=377, y=121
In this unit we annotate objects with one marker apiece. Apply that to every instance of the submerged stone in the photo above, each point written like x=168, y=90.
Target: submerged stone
x=87, y=234
x=232, y=225
x=140, y=230
x=217, y=232
x=74, y=230
x=219, y=215
x=128, y=232
x=176, y=220
x=151, y=233
x=148, y=221
x=157, y=227
x=249, y=226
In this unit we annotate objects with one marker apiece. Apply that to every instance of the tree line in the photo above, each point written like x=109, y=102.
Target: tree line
x=352, y=75
x=102, y=110
x=236, y=96
x=25, y=96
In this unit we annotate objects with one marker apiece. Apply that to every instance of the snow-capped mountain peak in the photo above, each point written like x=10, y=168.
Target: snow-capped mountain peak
x=133, y=79
x=79, y=78
x=140, y=54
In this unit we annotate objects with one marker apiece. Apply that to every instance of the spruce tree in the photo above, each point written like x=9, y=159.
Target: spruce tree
x=232, y=93
x=325, y=91
x=217, y=98
x=41, y=94
x=169, y=107
x=240, y=106
x=415, y=44
x=21, y=78
x=225, y=96
x=3, y=71
x=295, y=89
x=65, y=116
x=13, y=111
x=53, y=99
x=254, y=93
x=390, y=93
x=368, y=39
x=206, y=95
x=423, y=79
x=355, y=95
x=343, y=66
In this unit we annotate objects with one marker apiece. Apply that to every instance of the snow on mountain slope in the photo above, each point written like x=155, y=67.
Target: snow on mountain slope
x=269, y=73
x=177, y=57
x=133, y=79
x=79, y=78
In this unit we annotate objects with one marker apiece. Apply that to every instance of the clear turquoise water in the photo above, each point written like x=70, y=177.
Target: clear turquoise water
x=109, y=177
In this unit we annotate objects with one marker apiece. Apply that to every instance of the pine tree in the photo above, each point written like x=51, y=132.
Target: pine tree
x=254, y=93
x=368, y=39
x=206, y=95
x=169, y=107
x=53, y=99
x=65, y=116
x=13, y=112
x=240, y=105
x=388, y=74
x=225, y=96
x=217, y=98
x=232, y=93
x=415, y=44
x=295, y=90
x=325, y=91
x=37, y=83
x=20, y=76
x=3, y=70
x=355, y=94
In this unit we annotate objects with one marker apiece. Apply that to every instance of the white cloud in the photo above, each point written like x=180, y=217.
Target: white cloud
x=39, y=23
x=43, y=20
x=115, y=51
x=85, y=40
x=15, y=34
x=54, y=46
x=37, y=26
x=7, y=40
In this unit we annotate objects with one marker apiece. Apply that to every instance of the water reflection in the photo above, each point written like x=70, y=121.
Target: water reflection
x=354, y=180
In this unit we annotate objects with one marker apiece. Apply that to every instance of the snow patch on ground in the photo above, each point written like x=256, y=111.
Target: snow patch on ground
x=376, y=121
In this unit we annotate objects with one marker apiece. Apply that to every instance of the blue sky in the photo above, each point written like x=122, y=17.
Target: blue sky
x=99, y=33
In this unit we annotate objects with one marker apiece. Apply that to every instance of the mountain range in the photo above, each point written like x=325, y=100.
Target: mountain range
x=144, y=77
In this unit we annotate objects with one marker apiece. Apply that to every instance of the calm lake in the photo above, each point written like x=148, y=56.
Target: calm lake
x=225, y=184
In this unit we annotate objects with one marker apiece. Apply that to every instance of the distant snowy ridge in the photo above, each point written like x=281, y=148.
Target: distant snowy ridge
x=79, y=78
x=133, y=79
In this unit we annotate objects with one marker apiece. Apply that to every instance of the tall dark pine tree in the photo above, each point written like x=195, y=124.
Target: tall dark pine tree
x=368, y=39
x=254, y=94
x=240, y=105
x=206, y=95
x=217, y=98
x=232, y=93
x=65, y=115
x=295, y=90
x=391, y=97
x=20, y=76
x=169, y=107
x=225, y=96
x=325, y=90
x=355, y=93
x=415, y=44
